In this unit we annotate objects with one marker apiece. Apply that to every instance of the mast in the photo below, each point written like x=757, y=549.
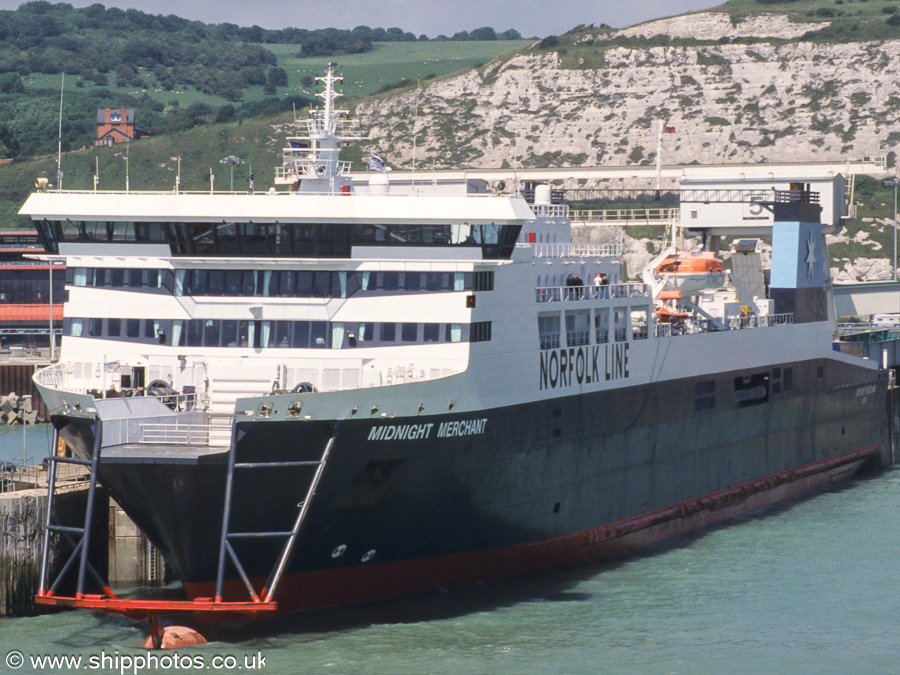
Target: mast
x=312, y=163
x=659, y=156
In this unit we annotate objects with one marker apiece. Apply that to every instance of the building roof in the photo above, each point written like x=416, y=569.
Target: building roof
x=101, y=116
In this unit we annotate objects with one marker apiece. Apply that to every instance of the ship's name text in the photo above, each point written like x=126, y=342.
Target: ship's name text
x=581, y=365
x=415, y=432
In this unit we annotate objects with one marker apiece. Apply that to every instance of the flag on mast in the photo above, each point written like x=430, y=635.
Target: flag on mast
x=377, y=164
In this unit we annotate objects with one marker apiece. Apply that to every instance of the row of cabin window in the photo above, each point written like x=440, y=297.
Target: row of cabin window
x=282, y=239
x=30, y=285
x=284, y=334
x=578, y=327
x=280, y=283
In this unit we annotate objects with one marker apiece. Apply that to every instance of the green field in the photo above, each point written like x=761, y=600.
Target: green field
x=391, y=62
x=364, y=74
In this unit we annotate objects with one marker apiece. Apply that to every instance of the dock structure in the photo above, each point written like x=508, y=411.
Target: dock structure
x=643, y=175
x=119, y=550
x=22, y=517
x=15, y=379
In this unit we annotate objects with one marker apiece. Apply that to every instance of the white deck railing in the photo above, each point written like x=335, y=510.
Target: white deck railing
x=185, y=434
x=574, y=293
x=759, y=321
x=577, y=250
x=658, y=216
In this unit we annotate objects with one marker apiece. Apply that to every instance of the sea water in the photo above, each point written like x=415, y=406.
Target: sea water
x=807, y=587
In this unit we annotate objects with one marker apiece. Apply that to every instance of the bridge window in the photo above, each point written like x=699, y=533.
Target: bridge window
x=431, y=332
x=408, y=332
x=388, y=332
x=454, y=332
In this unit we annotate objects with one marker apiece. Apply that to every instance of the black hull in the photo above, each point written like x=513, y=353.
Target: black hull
x=529, y=476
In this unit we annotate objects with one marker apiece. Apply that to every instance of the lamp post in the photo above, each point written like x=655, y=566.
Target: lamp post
x=52, y=334
x=232, y=160
x=893, y=183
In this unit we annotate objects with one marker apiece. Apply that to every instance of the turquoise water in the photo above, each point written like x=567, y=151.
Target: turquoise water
x=810, y=587
x=32, y=441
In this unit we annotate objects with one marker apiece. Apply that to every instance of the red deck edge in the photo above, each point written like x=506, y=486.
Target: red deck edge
x=139, y=608
x=367, y=583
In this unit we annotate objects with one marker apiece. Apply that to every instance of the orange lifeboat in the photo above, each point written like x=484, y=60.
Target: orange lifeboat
x=691, y=272
x=666, y=315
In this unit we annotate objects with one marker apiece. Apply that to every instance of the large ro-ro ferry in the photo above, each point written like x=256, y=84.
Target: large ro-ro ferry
x=337, y=392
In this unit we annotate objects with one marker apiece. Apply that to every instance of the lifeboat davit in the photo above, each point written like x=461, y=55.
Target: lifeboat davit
x=691, y=272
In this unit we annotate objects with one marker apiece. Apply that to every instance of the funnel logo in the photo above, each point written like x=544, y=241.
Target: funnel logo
x=810, y=255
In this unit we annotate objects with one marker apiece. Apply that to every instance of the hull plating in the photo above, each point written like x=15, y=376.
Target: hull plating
x=448, y=500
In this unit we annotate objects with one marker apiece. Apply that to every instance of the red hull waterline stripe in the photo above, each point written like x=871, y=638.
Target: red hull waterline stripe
x=368, y=583
x=140, y=609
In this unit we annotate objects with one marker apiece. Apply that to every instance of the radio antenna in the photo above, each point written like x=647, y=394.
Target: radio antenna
x=59, y=173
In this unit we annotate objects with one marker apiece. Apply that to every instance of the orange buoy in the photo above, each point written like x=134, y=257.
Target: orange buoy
x=174, y=637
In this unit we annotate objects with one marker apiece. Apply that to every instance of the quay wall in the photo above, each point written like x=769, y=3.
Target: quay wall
x=22, y=517
x=119, y=551
x=16, y=378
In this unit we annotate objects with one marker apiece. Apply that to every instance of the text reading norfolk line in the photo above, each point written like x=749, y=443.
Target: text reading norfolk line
x=581, y=365
x=414, y=432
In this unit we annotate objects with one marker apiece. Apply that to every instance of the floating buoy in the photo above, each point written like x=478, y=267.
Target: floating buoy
x=173, y=637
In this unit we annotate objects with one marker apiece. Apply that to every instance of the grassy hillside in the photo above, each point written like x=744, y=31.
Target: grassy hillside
x=392, y=62
x=388, y=63
x=849, y=19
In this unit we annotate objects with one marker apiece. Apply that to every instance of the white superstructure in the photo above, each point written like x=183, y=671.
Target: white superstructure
x=228, y=296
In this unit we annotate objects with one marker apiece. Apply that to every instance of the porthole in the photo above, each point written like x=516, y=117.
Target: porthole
x=339, y=551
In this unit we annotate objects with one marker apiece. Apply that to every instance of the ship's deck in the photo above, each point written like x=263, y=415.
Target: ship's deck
x=146, y=453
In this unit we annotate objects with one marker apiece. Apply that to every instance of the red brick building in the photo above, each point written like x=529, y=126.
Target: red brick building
x=116, y=126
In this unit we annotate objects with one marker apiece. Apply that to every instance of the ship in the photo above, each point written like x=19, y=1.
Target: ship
x=349, y=388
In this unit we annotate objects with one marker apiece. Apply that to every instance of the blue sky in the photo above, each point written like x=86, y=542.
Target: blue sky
x=432, y=17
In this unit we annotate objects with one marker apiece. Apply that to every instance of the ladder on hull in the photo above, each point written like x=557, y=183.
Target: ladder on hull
x=148, y=608
x=267, y=593
x=81, y=545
